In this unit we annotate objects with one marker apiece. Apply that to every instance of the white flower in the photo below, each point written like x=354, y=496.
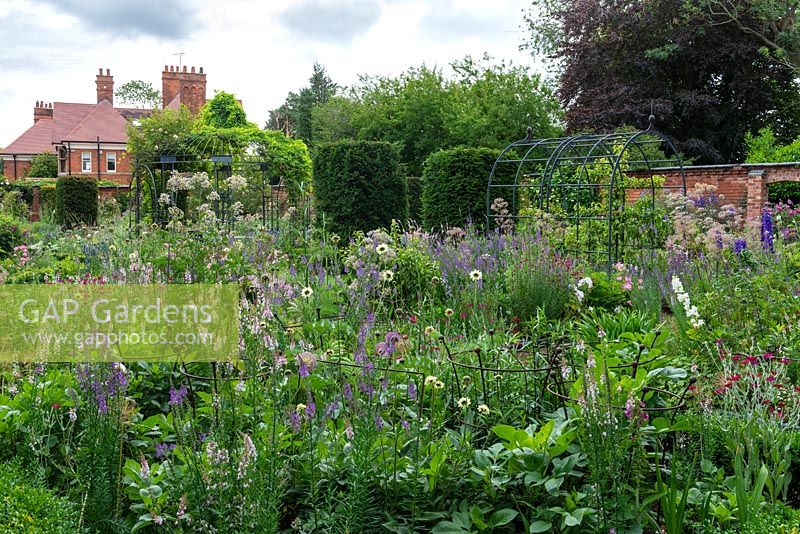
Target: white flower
x=579, y=294
x=586, y=281
x=164, y=199
x=307, y=292
x=483, y=409
x=236, y=182
x=430, y=379
x=448, y=312
x=438, y=384
x=300, y=408
x=476, y=275
x=382, y=249
x=387, y=276
x=463, y=403
x=429, y=330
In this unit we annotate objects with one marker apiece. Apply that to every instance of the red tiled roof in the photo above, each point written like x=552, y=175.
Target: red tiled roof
x=36, y=139
x=67, y=116
x=104, y=122
x=175, y=103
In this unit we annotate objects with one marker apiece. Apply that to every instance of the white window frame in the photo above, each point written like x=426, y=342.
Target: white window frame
x=111, y=157
x=86, y=157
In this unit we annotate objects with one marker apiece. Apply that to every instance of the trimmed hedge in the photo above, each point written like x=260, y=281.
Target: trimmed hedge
x=47, y=201
x=358, y=186
x=454, y=183
x=414, y=198
x=783, y=191
x=76, y=200
x=28, y=506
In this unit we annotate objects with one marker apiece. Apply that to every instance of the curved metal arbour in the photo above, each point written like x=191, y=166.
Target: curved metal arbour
x=149, y=180
x=592, y=190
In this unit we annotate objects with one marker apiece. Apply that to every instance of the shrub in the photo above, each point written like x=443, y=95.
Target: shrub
x=14, y=205
x=454, y=186
x=47, y=202
x=44, y=165
x=76, y=200
x=358, y=186
x=10, y=235
x=26, y=506
x=784, y=191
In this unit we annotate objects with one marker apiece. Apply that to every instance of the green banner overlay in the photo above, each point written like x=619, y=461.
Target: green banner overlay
x=79, y=323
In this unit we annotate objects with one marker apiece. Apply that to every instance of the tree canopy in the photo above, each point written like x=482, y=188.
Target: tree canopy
x=140, y=94
x=706, y=82
x=223, y=111
x=422, y=110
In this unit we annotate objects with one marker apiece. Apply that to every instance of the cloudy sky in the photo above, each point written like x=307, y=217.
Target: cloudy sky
x=257, y=49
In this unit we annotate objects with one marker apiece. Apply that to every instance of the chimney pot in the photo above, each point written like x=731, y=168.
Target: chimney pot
x=100, y=71
x=192, y=70
x=108, y=72
x=201, y=70
x=184, y=68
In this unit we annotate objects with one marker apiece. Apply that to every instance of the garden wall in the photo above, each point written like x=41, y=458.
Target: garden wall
x=103, y=192
x=743, y=184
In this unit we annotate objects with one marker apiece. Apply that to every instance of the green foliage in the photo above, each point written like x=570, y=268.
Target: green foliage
x=10, y=235
x=288, y=160
x=358, y=186
x=765, y=148
x=423, y=110
x=139, y=93
x=454, y=186
x=296, y=116
x=414, y=198
x=47, y=202
x=783, y=192
x=164, y=132
x=44, y=165
x=538, y=282
x=605, y=293
x=14, y=205
x=76, y=201
x=27, y=506
x=223, y=111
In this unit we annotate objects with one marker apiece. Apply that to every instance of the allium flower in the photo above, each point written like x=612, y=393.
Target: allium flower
x=463, y=403
x=476, y=275
x=307, y=292
x=483, y=409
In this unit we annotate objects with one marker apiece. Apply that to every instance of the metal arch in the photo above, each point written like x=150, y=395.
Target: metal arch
x=570, y=158
x=136, y=199
x=534, y=144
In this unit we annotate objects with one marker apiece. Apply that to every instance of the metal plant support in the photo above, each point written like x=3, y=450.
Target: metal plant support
x=600, y=192
x=149, y=180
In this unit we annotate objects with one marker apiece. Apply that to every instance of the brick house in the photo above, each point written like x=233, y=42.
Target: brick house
x=91, y=139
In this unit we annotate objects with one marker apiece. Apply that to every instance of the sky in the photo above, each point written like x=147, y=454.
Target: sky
x=257, y=49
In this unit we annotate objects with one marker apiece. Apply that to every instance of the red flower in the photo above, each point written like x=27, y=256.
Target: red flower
x=55, y=405
x=413, y=319
x=736, y=377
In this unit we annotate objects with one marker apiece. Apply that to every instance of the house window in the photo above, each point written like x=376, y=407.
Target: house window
x=86, y=162
x=62, y=159
x=111, y=161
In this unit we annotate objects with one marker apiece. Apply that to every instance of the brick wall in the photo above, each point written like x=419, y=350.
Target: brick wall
x=121, y=176
x=744, y=185
x=22, y=168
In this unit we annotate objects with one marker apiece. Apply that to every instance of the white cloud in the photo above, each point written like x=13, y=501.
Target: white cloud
x=246, y=47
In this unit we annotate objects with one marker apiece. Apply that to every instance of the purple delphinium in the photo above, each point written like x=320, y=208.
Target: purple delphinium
x=177, y=396
x=739, y=246
x=294, y=421
x=767, y=229
x=412, y=391
x=347, y=391
x=311, y=409
x=330, y=410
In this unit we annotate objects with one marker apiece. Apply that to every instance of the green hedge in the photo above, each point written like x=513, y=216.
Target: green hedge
x=414, y=198
x=76, y=200
x=26, y=506
x=454, y=186
x=783, y=191
x=358, y=186
x=47, y=201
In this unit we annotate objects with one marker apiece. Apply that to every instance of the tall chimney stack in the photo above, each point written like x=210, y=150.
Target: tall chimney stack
x=105, y=87
x=42, y=110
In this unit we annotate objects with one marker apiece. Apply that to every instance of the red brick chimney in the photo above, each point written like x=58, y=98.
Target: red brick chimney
x=42, y=110
x=189, y=84
x=105, y=86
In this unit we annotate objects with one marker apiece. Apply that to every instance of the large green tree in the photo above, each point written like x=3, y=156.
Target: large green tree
x=706, y=82
x=294, y=117
x=423, y=110
x=139, y=93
